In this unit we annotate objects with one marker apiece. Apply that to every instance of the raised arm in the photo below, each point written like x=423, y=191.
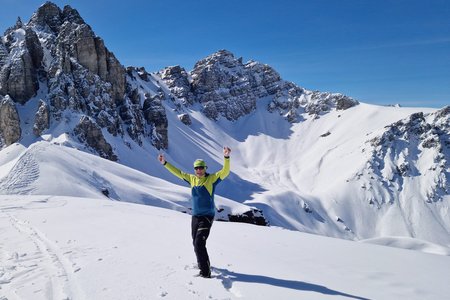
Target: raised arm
x=174, y=170
x=222, y=174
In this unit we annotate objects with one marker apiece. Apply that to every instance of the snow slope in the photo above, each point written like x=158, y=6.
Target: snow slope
x=302, y=176
x=60, y=247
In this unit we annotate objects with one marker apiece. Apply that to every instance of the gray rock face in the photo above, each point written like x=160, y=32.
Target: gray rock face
x=47, y=16
x=79, y=41
x=177, y=79
x=3, y=54
x=19, y=73
x=227, y=87
x=291, y=101
x=90, y=133
x=155, y=116
x=21, y=77
x=9, y=122
x=34, y=48
x=264, y=80
x=400, y=144
x=42, y=119
x=223, y=81
x=80, y=78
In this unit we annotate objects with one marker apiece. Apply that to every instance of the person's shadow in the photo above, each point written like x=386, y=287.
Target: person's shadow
x=228, y=277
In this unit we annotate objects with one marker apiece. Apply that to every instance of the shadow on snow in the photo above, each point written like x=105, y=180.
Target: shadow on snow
x=227, y=277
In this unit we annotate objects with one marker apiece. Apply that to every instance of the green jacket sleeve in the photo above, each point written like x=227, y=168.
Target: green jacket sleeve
x=222, y=174
x=177, y=172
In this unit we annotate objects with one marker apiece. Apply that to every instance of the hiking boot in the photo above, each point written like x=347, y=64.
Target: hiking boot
x=205, y=274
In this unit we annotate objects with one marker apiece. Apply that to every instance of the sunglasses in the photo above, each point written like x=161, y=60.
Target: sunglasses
x=199, y=168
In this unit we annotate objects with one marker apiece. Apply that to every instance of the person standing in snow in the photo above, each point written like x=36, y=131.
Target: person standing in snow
x=203, y=186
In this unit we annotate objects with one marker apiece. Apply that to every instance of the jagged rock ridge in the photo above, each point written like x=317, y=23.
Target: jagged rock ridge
x=82, y=82
x=78, y=75
x=227, y=87
x=396, y=154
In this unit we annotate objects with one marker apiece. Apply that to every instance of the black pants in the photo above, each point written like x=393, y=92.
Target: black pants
x=201, y=226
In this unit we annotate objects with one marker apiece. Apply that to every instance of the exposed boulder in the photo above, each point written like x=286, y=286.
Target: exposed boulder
x=185, y=119
x=253, y=216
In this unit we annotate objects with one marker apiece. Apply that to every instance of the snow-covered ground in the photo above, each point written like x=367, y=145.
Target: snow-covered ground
x=60, y=247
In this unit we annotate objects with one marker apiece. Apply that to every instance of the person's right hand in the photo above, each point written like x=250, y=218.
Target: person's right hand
x=161, y=159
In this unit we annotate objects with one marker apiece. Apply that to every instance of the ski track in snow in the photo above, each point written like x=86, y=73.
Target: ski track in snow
x=21, y=176
x=19, y=271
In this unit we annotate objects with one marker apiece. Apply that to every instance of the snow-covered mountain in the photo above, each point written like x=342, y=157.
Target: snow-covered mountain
x=304, y=160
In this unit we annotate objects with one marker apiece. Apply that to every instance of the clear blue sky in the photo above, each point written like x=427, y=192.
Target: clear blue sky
x=377, y=51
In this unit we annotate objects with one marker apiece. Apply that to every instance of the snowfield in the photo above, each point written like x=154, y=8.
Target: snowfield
x=60, y=247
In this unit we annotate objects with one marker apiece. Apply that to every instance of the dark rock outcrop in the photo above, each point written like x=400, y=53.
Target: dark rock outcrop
x=395, y=153
x=90, y=133
x=176, y=79
x=19, y=73
x=253, y=216
x=80, y=79
x=42, y=119
x=155, y=115
x=9, y=122
x=185, y=119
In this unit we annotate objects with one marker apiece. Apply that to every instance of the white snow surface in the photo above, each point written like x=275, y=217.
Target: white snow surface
x=61, y=247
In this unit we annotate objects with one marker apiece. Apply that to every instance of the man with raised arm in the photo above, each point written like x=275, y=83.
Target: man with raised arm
x=203, y=186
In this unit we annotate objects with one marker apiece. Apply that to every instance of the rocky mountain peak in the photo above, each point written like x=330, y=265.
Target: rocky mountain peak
x=71, y=15
x=79, y=75
x=48, y=15
x=221, y=58
x=82, y=80
x=227, y=87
